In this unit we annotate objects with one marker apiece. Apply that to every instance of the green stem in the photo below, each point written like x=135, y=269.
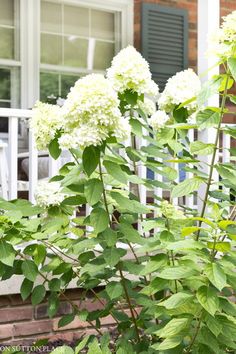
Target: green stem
x=119, y=268
x=195, y=335
x=214, y=154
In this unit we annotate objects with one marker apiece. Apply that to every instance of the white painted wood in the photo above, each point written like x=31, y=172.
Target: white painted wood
x=54, y=166
x=3, y=171
x=208, y=23
x=33, y=167
x=190, y=199
x=13, y=160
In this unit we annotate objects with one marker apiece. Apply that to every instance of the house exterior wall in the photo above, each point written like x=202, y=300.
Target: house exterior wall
x=20, y=323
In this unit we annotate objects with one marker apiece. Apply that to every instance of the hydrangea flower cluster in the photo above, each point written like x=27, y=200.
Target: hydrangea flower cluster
x=130, y=71
x=158, y=120
x=222, y=42
x=91, y=113
x=147, y=106
x=49, y=194
x=46, y=121
x=170, y=211
x=179, y=88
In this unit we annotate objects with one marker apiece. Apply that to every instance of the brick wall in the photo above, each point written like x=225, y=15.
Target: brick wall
x=21, y=324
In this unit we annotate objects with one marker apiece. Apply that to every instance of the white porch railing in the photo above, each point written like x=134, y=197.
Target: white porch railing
x=9, y=167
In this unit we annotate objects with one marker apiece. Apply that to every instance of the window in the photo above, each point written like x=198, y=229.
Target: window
x=46, y=45
x=9, y=57
x=75, y=40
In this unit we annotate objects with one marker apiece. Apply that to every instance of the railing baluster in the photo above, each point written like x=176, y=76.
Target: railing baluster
x=33, y=167
x=54, y=166
x=13, y=160
x=226, y=142
x=190, y=199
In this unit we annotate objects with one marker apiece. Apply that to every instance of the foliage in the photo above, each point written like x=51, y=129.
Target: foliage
x=165, y=274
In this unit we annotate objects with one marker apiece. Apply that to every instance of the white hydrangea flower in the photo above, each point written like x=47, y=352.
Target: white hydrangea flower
x=170, y=211
x=179, y=88
x=158, y=120
x=45, y=121
x=122, y=130
x=222, y=43
x=82, y=137
x=91, y=113
x=147, y=106
x=130, y=71
x=49, y=194
x=192, y=118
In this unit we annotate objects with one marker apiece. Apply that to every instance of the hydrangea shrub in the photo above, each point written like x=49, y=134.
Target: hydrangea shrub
x=165, y=273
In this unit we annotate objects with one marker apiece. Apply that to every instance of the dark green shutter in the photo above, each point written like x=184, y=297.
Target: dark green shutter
x=164, y=40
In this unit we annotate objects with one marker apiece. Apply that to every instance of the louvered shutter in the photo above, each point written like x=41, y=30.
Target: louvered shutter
x=164, y=40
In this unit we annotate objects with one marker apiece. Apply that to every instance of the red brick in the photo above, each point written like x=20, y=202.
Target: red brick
x=30, y=328
x=6, y=331
x=77, y=323
x=41, y=310
x=4, y=301
x=15, y=314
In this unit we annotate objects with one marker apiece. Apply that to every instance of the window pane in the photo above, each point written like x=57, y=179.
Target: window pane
x=7, y=12
x=49, y=85
x=76, y=20
x=51, y=17
x=67, y=81
x=5, y=84
x=6, y=43
x=102, y=25
x=3, y=120
x=75, y=51
x=51, y=49
x=103, y=55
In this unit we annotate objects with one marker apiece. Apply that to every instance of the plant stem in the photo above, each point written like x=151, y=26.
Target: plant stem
x=129, y=303
x=120, y=271
x=195, y=335
x=214, y=154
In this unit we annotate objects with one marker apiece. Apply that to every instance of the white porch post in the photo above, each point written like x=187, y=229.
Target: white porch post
x=208, y=22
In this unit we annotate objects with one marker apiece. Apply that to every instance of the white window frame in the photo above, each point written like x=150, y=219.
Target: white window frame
x=30, y=40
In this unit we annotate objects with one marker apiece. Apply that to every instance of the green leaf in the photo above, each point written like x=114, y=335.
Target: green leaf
x=90, y=159
x=155, y=263
x=115, y=171
x=54, y=149
x=213, y=324
x=207, y=297
x=131, y=234
x=219, y=246
x=185, y=244
x=94, y=348
x=168, y=343
x=209, y=89
x=216, y=275
x=74, y=200
x=26, y=288
x=200, y=148
x=186, y=187
x=113, y=255
x=232, y=67
x=155, y=286
x=29, y=270
x=65, y=320
x=176, y=300
x=93, y=190
x=54, y=284
x=53, y=304
x=99, y=219
x=173, y=327
x=81, y=344
x=38, y=294
x=63, y=350
x=207, y=338
x=126, y=204
x=7, y=253
x=177, y=272
x=189, y=230
x=114, y=290
x=207, y=118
